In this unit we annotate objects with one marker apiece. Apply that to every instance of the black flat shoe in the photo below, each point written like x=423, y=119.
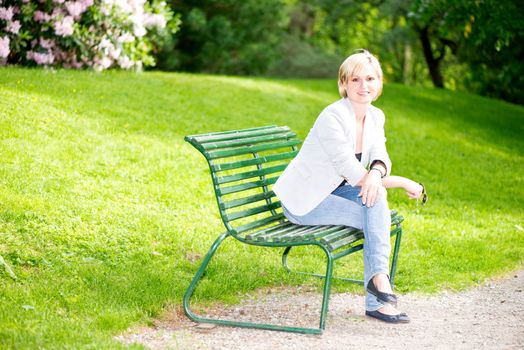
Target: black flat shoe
x=385, y=298
x=400, y=318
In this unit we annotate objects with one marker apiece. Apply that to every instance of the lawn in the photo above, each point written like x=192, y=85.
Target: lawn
x=105, y=212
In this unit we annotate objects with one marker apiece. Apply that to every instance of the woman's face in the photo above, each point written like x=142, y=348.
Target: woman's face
x=363, y=86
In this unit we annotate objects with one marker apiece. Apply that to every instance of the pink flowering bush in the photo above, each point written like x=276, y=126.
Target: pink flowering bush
x=100, y=34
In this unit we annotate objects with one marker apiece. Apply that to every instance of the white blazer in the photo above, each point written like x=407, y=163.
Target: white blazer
x=327, y=157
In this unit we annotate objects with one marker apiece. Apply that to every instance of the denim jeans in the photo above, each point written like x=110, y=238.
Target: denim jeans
x=344, y=207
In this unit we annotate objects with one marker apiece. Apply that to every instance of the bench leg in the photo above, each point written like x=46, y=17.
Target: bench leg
x=398, y=236
x=286, y=266
x=231, y=323
x=198, y=276
x=327, y=289
x=395, y=257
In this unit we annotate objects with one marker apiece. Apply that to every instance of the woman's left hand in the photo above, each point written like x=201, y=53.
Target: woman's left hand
x=413, y=190
x=371, y=183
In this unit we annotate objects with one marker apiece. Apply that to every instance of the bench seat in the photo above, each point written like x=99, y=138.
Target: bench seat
x=333, y=237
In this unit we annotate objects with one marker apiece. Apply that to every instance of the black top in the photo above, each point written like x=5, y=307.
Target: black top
x=359, y=157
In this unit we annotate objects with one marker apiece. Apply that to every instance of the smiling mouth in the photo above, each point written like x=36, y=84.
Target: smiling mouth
x=363, y=93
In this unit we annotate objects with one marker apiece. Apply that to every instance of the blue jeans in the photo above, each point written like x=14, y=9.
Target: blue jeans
x=344, y=207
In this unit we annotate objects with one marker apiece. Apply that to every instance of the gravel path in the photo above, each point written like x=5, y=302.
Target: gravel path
x=490, y=316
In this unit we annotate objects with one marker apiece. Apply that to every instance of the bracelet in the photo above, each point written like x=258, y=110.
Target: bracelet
x=379, y=162
x=380, y=172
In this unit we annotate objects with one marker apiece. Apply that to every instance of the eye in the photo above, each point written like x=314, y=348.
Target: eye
x=354, y=80
x=371, y=78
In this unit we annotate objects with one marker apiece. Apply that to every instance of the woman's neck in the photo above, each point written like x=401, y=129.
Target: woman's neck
x=360, y=110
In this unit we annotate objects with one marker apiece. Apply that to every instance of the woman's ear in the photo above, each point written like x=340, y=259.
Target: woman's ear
x=342, y=89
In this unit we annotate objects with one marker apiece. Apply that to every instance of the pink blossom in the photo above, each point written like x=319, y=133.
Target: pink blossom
x=68, y=58
x=57, y=12
x=6, y=13
x=102, y=63
x=139, y=31
x=75, y=9
x=4, y=47
x=105, y=43
x=124, y=5
x=124, y=62
x=126, y=38
x=86, y=3
x=13, y=27
x=138, y=66
x=155, y=20
x=47, y=43
x=106, y=62
x=105, y=9
x=40, y=58
x=39, y=16
x=64, y=27
x=115, y=53
x=75, y=64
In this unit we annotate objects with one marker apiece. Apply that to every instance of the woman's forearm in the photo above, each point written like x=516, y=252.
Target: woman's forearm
x=395, y=182
x=413, y=189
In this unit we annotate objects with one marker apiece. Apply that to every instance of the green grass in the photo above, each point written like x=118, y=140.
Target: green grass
x=104, y=208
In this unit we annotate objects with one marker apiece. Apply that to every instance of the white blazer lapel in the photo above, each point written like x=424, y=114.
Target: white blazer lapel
x=367, y=137
x=351, y=124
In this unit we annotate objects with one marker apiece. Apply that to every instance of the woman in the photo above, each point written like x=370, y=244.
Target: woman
x=341, y=173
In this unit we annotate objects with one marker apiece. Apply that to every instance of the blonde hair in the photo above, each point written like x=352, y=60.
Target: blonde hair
x=353, y=64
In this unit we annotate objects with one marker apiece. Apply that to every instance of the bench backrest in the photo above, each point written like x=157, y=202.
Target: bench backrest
x=244, y=165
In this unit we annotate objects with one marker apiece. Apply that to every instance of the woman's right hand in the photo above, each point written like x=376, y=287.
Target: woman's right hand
x=371, y=184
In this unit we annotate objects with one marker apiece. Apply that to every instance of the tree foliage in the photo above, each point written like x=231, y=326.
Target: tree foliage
x=486, y=35
x=226, y=36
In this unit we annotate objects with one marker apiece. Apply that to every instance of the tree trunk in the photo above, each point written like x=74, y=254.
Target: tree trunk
x=408, y=64
x=433, y=62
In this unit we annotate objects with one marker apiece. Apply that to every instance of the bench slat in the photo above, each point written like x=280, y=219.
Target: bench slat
x=259, y=223
x=397, y=219
x=319, y=234
x=247, y=200
x=253, y=161
x=251, y=174
x=284, y=135
x=336, y=235
x=307, y=236
x=270, y=235
x=352, y=238
x=299, y=232
x=251, y=149
x=236, y=134
x=246, y=186
x=253, y=236
x=253, y=211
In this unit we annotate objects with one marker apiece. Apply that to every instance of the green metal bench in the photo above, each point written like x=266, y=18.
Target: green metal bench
x=244, y=165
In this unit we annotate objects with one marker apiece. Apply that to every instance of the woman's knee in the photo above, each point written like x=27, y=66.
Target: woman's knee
x=382, y=194
x=381, y=200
